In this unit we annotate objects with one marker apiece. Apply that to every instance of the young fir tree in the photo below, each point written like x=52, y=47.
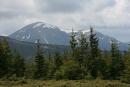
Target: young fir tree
x=83, y=48
x=41, y=67
x=107, y=60
x=19, y=66
x=57, y=61
x=70, y=70
x=3, y=62
x=94, y=54
x=94, y=44
x=117, y=64
x=66, y=56
x=51, y=66
x=84, y=53
x=73, y=44
x=126, y=74
x=5, y=59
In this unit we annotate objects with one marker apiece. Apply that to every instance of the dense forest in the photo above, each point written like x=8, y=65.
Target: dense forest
x=84, y=61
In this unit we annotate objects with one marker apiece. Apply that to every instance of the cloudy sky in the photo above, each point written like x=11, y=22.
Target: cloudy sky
x=111, y=17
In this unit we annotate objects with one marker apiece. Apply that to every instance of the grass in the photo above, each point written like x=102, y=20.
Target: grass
x=63, y=83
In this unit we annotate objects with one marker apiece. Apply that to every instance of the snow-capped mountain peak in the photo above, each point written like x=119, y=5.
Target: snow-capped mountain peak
x=44, y=25
x=38, y=24
x=46, y=33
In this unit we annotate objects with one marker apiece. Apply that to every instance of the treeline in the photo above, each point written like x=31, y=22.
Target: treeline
x=84, y=61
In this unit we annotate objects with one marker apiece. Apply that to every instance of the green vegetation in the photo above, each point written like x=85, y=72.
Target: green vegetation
x=63, y=83
x=41, y=67
x=85, y=66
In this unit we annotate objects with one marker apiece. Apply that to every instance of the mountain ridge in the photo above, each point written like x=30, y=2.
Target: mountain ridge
x=50, y=34
x=38, y=30
x=28, y=49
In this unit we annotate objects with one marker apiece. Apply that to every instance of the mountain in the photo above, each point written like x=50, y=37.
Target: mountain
x=28, y=50
x=104, y=40
x=46, y=33
x=49, y=34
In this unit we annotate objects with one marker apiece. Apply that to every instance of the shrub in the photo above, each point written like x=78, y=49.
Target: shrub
x=13, y=78
x=89, y=77
x=70, y=70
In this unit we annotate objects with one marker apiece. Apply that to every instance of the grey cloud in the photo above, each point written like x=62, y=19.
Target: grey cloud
x=98, y=5
x=60, y=6
x=14, y=8
x=64, y=13
x=12, y=14
x=7, y=14
x=71, y=6
x=8, y=26
x=103, y=4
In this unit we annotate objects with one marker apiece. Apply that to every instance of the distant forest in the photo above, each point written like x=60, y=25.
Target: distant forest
x=84, y=61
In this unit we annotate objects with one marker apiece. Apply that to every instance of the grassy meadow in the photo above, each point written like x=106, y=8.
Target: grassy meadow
x=63, y=83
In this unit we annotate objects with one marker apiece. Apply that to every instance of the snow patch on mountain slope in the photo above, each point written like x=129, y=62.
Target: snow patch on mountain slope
x=37, y=25
x=39, y=31
x=46, y=40
x=28, y=37
x=35, y=41
x=48, y=26
x=21, y=31
x=23, y=37
x=101, y=38
x=44, y=25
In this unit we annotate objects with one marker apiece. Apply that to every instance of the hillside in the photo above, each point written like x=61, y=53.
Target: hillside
x=28, y=50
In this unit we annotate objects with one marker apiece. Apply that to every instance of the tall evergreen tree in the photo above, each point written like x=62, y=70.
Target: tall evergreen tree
x=73, y=43
x=19, y=66
x=126, y=74
x=57, y=60
x=41, y=67
x=117, y=64
x=5, y=59
x=94, y=54
x=83, y=48
x=94, y=44
x=3, y=62
x=51, y=67
x=84, y=53
x=70, y=70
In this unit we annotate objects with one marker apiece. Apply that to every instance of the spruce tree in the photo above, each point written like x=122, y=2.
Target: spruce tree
x=70, y=70
x=19, y=66
x=117, y=64
x=126, y=74
x=41, y=67
x=83, y=48
x=3, y=62
x=51, y=66
x=93, y=44
x=84, y=53
x=57, y=61
x=94, y=54
x=5, y=59
x=73, y=44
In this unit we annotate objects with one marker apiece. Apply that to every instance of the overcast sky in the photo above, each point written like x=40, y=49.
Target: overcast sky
x=111, y=17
